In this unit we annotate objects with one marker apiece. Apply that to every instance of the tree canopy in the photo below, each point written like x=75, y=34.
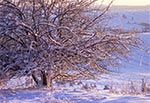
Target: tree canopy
x=63, y=39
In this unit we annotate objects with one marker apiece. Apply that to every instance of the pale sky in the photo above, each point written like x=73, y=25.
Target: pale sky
x=129, y=2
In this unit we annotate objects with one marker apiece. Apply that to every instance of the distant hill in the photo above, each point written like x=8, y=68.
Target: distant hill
x=134, y=19
x=125, y=8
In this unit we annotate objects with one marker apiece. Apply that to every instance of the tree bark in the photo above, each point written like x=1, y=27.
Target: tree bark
x=44, y=77
x=34, y=78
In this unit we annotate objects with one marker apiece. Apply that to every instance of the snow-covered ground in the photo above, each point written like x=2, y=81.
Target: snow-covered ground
x=129, y=20
x=68, y=95
x=137, y=68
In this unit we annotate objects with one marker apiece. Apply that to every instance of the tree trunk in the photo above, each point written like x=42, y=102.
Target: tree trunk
x=50, y=80
x=44, y=77
x=50, y=84
x=34, y=78
x=42, y=81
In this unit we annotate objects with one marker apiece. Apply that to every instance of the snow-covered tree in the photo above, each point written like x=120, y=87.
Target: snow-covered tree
x=62, y=40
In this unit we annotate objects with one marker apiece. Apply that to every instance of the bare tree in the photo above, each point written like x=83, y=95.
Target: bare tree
x=64, y=40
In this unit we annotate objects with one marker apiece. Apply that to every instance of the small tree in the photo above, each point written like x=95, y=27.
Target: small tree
x=143, y=86
x=63, y=39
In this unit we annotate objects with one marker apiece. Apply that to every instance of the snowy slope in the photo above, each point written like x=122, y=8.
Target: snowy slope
x=139, y=61
x=128, y=20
